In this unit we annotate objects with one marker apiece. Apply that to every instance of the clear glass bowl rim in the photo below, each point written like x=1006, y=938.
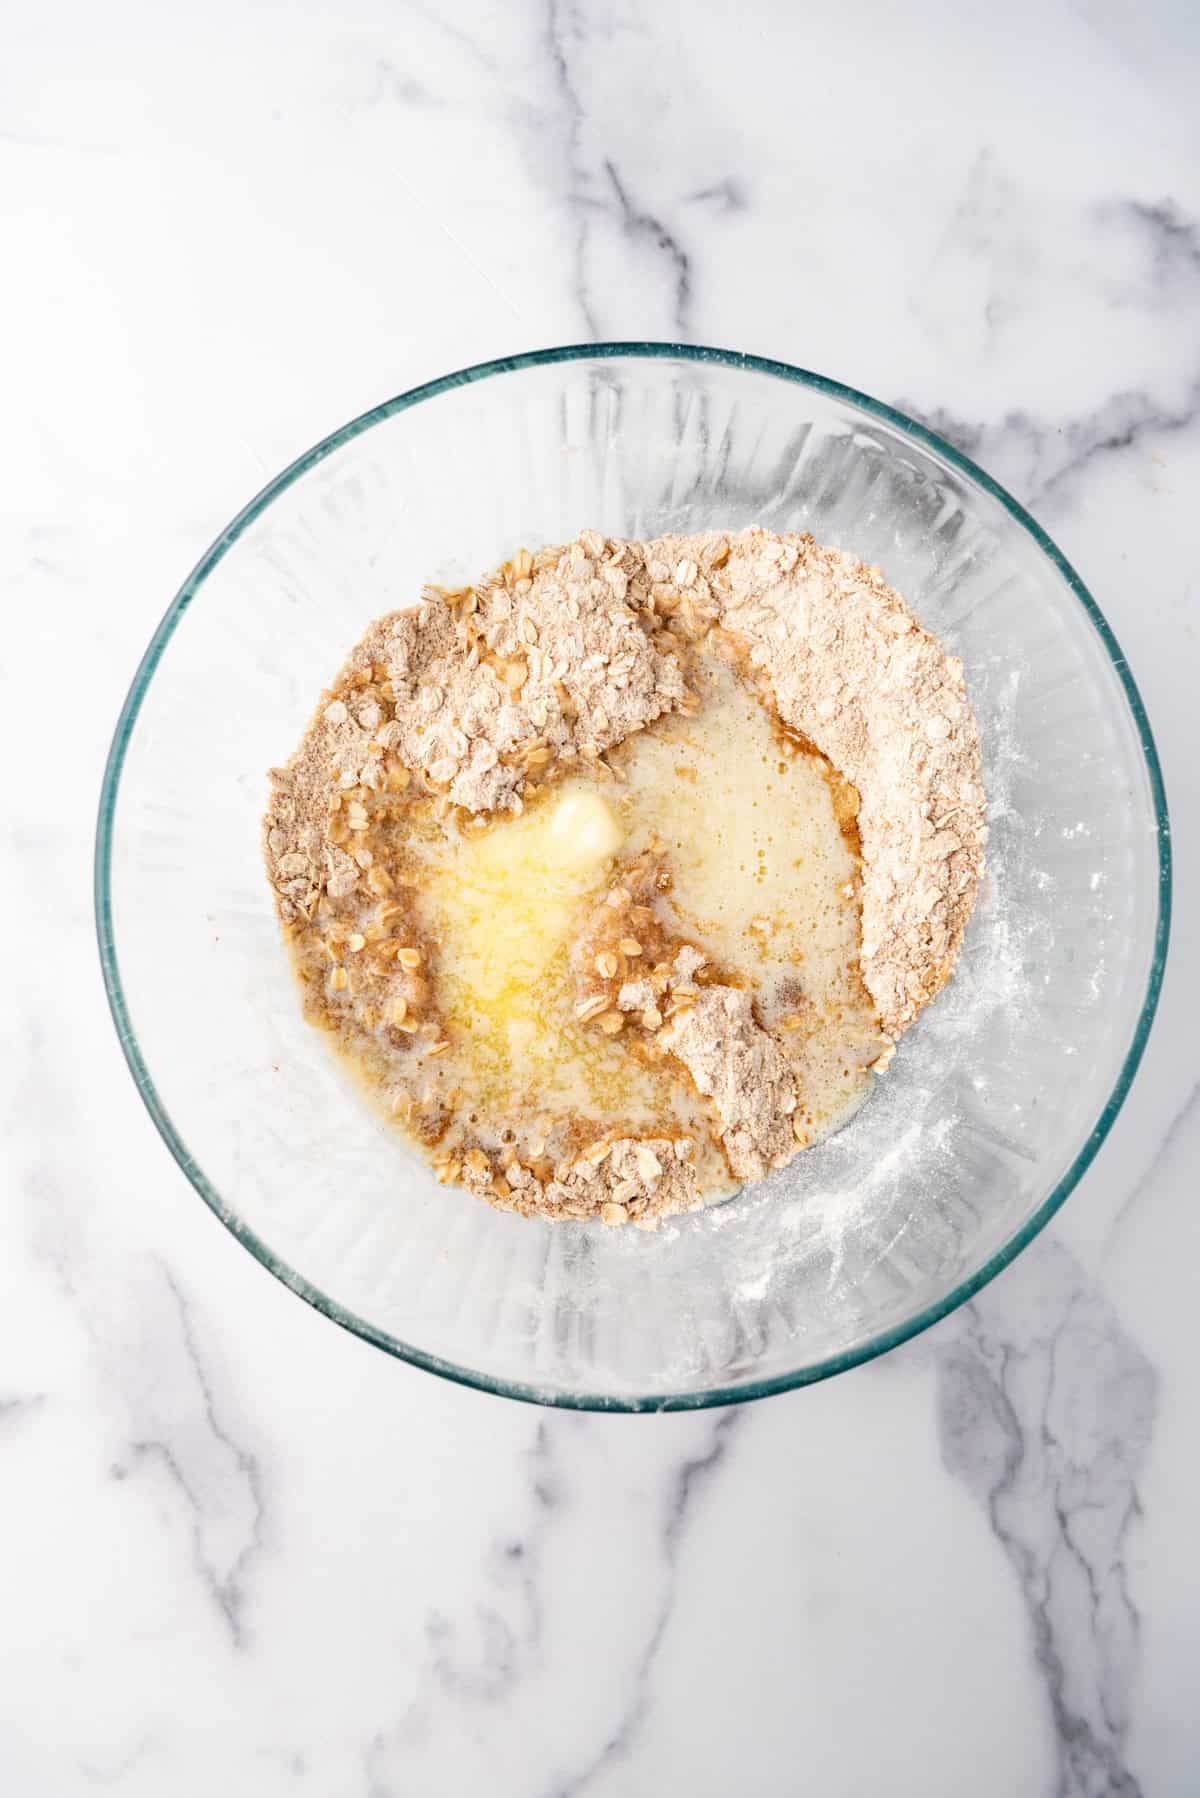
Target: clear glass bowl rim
x=675, y=1401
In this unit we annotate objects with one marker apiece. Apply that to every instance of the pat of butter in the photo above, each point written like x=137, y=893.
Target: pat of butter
x=583, y=830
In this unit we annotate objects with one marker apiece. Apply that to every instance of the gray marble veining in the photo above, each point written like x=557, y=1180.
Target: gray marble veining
x=1046, y=1410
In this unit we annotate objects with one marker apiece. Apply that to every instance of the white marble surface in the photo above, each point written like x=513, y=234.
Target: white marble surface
x=245, y=1554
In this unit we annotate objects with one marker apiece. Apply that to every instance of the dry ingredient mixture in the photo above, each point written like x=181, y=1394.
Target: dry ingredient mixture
x=618, y=874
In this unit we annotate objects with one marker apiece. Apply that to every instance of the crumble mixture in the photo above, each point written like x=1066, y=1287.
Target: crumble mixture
x=619, y=873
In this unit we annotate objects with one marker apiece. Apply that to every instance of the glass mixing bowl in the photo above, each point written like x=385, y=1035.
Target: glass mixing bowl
x=999, y=1096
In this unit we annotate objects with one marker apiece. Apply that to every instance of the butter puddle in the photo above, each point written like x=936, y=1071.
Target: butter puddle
x=506, y=907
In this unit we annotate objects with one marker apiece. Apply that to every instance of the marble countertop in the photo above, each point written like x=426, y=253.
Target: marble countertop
x=245, y=1553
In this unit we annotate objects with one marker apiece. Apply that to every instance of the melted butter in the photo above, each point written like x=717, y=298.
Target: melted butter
x=506, y=906
x=758, y=860
x=513, y=896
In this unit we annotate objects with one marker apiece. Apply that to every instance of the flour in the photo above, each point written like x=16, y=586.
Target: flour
x=545, y=661
x=743, y=1070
